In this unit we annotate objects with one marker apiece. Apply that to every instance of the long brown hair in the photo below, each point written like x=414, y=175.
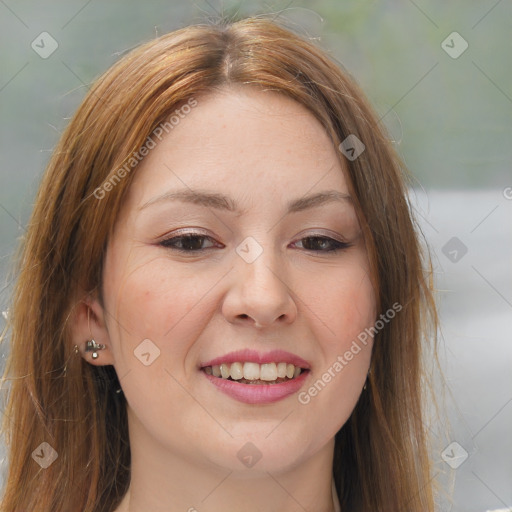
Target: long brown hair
x=381, y=459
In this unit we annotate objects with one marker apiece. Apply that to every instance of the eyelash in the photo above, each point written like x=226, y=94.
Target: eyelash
x=338, y=246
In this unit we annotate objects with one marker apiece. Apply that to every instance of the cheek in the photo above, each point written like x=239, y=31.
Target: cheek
x=343, y=300
x=167, y=304
x=358, y=305
x=356, y=314
x=160, y=311
x=350, y=311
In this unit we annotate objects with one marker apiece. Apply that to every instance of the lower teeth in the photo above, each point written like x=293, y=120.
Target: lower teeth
x=245, y=381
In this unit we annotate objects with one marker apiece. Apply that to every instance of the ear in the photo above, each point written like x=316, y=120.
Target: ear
x=88, y=322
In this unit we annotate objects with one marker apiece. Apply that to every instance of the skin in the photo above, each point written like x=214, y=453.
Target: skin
x=262, y=150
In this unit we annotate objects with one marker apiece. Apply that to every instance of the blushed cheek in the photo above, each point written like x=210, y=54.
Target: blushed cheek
x=354, y=302
x=355, y=350
x=361, y=305
x=167, y=307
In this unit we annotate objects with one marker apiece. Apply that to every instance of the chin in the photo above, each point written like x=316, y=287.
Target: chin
x=268, y=448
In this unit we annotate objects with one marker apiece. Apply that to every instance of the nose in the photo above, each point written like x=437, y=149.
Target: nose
x=259, y=293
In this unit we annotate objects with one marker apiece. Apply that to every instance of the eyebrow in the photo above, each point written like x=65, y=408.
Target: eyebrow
x=222, y=202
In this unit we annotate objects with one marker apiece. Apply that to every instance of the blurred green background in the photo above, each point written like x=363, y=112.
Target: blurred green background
x=453, y=117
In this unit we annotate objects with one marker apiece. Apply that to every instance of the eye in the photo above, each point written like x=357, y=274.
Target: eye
x=322, y=244
x=194, y=242
x=190, y=242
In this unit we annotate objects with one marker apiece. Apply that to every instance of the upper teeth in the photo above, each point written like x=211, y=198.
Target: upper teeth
x=254, y=371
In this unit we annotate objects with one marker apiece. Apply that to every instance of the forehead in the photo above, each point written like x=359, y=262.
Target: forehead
x=250, y=144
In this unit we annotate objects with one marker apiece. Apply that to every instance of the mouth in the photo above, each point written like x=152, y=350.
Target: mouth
x=255, y=378
x=255, y=374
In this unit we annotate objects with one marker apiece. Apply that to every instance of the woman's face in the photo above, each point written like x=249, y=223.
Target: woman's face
x=223, y=246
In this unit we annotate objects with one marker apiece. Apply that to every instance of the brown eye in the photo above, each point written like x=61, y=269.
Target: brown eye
x=322, y=244
x=187, y=243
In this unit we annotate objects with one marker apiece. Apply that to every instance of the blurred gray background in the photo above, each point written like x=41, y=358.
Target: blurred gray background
x=440, y=76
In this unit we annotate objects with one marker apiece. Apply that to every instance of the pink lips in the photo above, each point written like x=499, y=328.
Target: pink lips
x=251, y=356
x=258, y=393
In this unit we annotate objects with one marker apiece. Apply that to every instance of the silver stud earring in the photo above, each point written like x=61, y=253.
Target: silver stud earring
x=91, y=345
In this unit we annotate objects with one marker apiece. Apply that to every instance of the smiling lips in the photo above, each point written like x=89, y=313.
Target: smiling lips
x=272, y=376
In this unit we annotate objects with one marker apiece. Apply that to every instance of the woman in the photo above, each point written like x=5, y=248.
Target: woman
x=220, y=301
